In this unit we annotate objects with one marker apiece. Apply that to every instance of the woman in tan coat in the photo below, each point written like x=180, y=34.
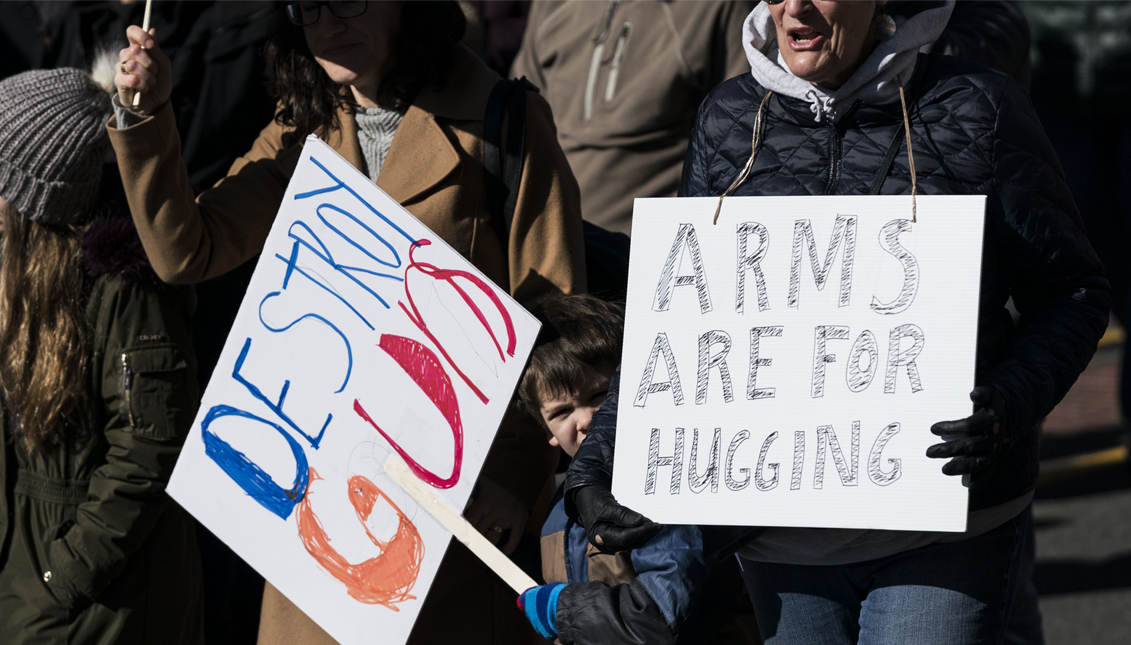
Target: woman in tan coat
x=387, y=85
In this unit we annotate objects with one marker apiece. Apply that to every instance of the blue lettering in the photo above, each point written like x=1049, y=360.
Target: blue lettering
x=277, y=407
x=341, y=185
x=334, y=328
x=250, y=477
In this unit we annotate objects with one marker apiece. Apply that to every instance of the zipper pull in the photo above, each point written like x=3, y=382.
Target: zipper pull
x=614, y=71
x=127, y=379
x=608, y=23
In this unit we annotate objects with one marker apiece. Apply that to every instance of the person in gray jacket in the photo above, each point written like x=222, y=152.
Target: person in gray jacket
x=625, y=80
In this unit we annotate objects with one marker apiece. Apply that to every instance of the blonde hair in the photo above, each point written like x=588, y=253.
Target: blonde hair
x=44, y=333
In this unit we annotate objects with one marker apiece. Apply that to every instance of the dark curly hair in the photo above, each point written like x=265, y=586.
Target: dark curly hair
x=426, y=47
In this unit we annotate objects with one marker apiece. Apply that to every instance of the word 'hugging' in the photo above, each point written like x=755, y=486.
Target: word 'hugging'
x=847, y=469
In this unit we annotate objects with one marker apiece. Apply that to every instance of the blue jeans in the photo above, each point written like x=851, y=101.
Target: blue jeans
x=959, y=593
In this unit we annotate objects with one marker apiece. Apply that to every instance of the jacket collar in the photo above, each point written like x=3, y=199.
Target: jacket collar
x=465, y=96
x=422, y=154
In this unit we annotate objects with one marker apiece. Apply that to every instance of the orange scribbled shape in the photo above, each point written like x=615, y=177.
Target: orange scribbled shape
x=385, y=579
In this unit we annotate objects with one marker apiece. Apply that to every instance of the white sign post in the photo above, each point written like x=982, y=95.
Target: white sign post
x=362, y=336
x=784, y=366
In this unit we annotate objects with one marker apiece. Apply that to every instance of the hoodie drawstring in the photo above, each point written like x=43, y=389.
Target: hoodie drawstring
x=745, y=174
x=821, y=108
x=910, y=156
x=749, y=162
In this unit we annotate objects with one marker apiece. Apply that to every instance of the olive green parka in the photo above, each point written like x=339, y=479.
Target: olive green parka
x=92, y=549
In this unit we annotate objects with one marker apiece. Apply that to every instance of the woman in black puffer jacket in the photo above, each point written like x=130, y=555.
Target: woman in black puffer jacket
x=832, y=123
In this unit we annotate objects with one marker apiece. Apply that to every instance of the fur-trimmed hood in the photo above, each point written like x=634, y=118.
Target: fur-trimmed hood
x=112, y=246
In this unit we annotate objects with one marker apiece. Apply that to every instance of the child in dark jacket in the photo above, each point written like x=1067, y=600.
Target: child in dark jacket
x=668, y=591
x=97, y=391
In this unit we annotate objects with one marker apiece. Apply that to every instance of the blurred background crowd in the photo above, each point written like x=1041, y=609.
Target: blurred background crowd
x=625, y=80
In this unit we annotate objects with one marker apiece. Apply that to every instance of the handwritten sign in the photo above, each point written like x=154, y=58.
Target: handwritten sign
x=784, y=367
x=362, y=335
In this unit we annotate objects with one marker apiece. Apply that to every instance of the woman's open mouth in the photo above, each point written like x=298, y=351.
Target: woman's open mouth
x=804, y=38
x=337, y=50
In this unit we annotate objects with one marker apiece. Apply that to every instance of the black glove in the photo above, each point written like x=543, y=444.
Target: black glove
x=976, y=441
x=610, y=526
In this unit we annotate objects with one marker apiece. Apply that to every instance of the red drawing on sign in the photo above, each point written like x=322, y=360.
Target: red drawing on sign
x=422, y=366
x=449, y=276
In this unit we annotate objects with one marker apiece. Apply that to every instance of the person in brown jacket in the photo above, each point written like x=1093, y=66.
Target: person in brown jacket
x=387, y=85
x=625, y=79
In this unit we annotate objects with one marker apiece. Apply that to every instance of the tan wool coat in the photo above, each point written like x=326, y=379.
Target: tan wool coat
x=434, y=170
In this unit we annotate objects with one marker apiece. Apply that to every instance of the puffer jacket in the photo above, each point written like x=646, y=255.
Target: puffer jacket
x=92, y=549
x=668, y=591
x=973, y=132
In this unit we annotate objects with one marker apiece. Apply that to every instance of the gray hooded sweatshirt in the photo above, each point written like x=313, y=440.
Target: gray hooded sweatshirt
x=877, y=80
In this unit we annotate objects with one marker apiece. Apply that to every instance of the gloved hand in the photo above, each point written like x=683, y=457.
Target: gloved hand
x=610, y=526
x=540, y=604
x=976, y=441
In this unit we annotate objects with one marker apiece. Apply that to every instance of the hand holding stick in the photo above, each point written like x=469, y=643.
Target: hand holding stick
x=143, y=69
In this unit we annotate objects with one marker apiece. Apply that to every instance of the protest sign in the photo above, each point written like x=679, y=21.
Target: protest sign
x=783, y=367
x=362, y=335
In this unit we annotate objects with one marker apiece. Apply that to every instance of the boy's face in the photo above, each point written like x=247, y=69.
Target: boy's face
x=568, y=417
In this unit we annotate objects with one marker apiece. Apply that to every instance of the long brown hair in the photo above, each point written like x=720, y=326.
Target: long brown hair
x=427, y=43
x=44, y=333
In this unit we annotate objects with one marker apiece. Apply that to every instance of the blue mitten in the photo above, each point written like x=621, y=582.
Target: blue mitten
x=540, y=604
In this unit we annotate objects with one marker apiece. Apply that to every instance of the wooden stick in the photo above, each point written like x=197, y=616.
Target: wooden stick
x=145, y=28
x=463, y=531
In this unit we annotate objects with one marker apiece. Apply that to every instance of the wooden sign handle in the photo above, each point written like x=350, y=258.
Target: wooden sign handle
x=463, y=531
x=145, y=28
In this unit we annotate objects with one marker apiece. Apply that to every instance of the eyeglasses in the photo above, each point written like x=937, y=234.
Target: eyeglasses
x=305, y=14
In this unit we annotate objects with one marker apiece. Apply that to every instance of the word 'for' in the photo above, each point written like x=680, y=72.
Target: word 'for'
x=714, y=346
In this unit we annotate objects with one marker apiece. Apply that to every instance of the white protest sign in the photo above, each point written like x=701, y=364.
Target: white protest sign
x=362, y=335
x=784, y=367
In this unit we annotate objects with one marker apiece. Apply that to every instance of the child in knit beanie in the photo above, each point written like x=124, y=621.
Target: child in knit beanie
x=52, y=143
x=97, y=391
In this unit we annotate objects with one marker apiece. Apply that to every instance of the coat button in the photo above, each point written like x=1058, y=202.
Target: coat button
x=47, y=576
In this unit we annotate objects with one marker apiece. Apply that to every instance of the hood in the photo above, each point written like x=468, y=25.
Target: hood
x=876, y=81
x=111, y=245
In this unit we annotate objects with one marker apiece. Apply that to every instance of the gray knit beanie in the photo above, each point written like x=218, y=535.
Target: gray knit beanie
x=52, y=143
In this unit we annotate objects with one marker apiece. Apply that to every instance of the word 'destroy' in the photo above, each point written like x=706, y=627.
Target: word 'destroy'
x=361, y=335
x=783, y=366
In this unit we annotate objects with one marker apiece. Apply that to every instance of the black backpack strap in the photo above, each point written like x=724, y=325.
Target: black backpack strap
x=503, y=160
x=897, y=140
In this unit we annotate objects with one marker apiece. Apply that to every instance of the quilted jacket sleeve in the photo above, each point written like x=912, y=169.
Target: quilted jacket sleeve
x=593, y=463
x=149, y=391
x=694, y=182
x=994, y=34
x=593, y=612
x=1054, y=276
